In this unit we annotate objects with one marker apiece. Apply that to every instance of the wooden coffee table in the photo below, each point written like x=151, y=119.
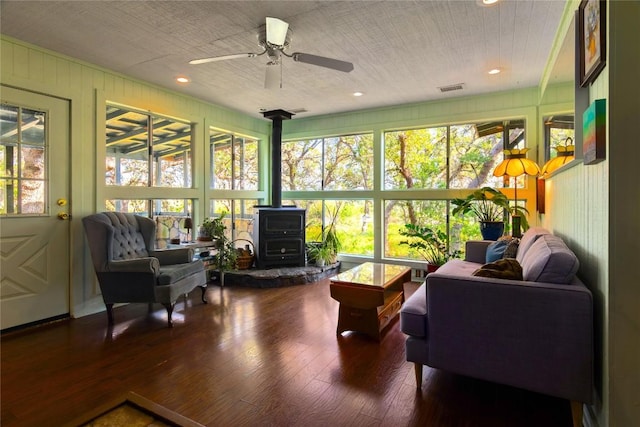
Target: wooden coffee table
x=370, y=296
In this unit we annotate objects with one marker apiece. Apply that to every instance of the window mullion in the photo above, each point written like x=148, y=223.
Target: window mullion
x=150, y=151
x=18, y=172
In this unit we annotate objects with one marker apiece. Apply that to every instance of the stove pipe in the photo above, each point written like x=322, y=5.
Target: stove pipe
x=276, y=117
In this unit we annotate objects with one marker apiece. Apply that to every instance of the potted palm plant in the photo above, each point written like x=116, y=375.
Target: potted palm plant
x=431, y=244
x=489, y=205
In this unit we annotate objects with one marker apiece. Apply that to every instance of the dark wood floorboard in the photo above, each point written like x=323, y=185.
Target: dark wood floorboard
x=249, y=357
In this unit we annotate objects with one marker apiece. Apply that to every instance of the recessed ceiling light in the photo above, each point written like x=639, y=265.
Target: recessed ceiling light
x=182, y=79
x=486, y=2
x=494, y=71
x=358, y=93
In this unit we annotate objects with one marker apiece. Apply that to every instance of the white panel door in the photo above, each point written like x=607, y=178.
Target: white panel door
x=34, y=207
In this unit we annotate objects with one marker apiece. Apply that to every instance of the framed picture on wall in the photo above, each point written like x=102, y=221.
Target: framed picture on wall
x=593, y=42
x=594, y=132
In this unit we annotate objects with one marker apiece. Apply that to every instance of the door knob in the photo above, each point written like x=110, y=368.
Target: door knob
x=61, y=202
x=63, y=216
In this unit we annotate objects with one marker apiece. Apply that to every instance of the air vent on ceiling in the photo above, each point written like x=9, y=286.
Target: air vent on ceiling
x=457, y=86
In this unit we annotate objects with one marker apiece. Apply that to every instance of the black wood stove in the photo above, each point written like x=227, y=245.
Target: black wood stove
x=278, y=232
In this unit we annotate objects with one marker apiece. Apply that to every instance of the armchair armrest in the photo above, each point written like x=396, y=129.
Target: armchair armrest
x=174, y=256
x=531, y=335
x=136, y=265
x=476, y=250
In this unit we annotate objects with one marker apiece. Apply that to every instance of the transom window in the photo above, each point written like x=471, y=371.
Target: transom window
x=454, y=156
x=332, y=163
x=147, y=150
x=234, y=161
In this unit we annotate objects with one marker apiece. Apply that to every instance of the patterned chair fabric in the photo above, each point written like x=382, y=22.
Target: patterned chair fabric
x=129, y=268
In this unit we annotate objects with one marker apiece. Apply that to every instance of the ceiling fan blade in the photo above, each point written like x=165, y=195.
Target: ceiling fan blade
x=223, y=58
x=276, y=31
x=273, y=76
x=334, y=64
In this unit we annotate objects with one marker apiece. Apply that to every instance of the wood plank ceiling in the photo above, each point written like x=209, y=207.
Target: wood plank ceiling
x=403, y=51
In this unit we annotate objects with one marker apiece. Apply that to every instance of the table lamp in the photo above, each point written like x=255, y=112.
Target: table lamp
x=188, y=224
x=515, y=163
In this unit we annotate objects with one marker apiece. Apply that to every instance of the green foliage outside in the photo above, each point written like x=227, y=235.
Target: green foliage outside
x=415, y=162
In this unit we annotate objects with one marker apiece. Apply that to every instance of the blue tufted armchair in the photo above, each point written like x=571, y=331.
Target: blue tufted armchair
x=130, y=270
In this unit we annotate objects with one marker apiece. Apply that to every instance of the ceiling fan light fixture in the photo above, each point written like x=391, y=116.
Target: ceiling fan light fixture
x=276, y=31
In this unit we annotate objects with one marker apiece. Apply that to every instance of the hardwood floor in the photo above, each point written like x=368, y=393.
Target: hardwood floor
x=249, y=357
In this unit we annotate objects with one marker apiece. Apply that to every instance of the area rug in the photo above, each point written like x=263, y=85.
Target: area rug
x=133, y=410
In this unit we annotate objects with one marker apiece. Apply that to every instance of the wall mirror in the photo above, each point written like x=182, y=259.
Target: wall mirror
x=558, y=117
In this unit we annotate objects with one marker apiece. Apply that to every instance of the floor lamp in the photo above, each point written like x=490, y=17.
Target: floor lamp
x=515, y=163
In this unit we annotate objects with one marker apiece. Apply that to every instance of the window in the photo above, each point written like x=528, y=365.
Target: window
x=169, y=214
x=23, y=161
x=234, y=166
x=238, y=217
x=353, y=219
x=342, y=165
x=146, y=150
x=415, y=159
x=336, y=163
x=234, y=161
x=460, y=156
x=455, y=156
x=427, y=213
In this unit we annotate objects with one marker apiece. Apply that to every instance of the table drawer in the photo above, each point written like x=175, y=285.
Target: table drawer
x=390, y=309
x=357, y=297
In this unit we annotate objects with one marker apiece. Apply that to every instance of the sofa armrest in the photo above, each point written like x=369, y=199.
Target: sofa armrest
x=174, y=256
x=531, y=335
x=476, y=250
x=136, y=265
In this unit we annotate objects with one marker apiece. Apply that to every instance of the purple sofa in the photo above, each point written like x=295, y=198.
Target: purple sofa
x=535, y=334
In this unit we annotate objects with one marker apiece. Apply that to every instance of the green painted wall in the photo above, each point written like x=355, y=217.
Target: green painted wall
x=88, y=87
x=596, y=208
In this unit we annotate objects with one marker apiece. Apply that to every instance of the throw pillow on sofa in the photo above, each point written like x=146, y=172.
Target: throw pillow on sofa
x=504, y=247
x=495, y=250
x=506, y=268
x=512, y=247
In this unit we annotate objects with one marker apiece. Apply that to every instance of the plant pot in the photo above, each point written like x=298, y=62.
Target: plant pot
x=491, y=230
x=431, y=268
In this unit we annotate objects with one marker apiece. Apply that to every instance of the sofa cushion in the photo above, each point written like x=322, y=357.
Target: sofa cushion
x=528, y=239
x=413, y=315
x=495, y=250
x=458, y=267
x=172, y=273
x=549, y=260
x=507, y=268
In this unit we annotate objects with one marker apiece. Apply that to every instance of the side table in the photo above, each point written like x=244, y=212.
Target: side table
x=370, y=297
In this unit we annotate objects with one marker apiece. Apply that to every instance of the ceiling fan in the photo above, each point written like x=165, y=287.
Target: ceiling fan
x=274, y=38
